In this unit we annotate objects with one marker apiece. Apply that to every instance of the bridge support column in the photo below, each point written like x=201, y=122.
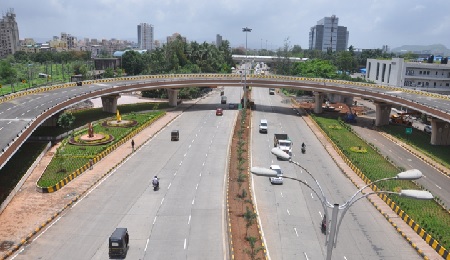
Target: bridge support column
x=173, y=97
x=318, y=99
x=109, y=103
x=382, y=113
x=440, y=132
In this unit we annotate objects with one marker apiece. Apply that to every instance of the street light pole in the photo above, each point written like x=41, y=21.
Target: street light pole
x=336, y=220
x=246, y=30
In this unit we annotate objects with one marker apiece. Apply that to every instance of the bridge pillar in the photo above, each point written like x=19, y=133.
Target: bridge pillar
x=173, y=97
x=382, y=113
x=440, y=132
x=109, y=103
x=318, y=99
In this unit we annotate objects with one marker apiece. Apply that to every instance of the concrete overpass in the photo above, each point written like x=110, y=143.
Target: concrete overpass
x=265, y=59
x=21, y=113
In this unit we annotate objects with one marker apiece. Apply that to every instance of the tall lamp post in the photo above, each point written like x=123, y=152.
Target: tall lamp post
x=246, y=30
x=336, y=219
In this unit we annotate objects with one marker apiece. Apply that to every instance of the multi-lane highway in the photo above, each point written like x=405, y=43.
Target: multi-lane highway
x=184, y=219
x=291, y=214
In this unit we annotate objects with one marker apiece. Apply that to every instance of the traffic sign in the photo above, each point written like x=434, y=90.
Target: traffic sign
x=409, y=130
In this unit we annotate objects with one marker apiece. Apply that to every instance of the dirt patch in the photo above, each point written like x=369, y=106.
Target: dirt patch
x=246, y=240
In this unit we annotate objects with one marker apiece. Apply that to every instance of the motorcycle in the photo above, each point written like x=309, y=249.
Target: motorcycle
x=156, y=185
x=303, y=148
x=324, y=227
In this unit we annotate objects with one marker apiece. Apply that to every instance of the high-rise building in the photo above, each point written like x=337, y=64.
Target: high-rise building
x=145, y=36
x=327, y=35
x=218, y=40
x=9, y=34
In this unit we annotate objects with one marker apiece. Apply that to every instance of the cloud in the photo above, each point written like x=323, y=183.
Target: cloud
x=371, y=23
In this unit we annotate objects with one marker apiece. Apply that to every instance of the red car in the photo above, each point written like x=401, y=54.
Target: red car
x=219, y=112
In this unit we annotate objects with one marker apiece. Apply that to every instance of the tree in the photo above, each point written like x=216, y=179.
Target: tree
x=66, y=120
x=109, y=73
x=345, y=62
x=7, y=73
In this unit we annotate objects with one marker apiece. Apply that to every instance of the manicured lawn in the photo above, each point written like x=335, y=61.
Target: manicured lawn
x=69, y=158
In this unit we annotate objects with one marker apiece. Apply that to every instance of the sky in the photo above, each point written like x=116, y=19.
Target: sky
x=371, y=23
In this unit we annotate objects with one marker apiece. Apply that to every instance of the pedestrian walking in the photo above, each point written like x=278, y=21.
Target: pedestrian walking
x=91, y=164
x=132, y=144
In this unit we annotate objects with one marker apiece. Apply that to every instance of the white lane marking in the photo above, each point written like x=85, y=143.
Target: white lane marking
x=306, y=256
x=200, y=175
x=288, y=212
x=189, y=220
x=170, y=184
x=203, y=164
x=320, y=213
x=312, y=196
x=345, y=258
x=8, y=109
x=154, y=220
x=175, y=174
x=47, y=228
x=189, y=146
x=192, y=140
x=23, y=114
x=196, y=187
x=438, y=187
x=295, y=229
x=282, y=194
x=193, y=201
x=9, y=122
x=206, y=155
x=181, y=162
x=28, y=111
x=162, y=201
x=185, y=243
x=1, y=128
x=185, y=154
x=146, y=244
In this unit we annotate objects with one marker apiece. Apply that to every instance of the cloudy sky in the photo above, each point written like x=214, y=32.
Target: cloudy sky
x=371, y=23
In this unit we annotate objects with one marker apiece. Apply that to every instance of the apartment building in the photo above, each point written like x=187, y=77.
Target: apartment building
x=328, y=35
x=9, y=34
x=145, y=36
x=432, y=77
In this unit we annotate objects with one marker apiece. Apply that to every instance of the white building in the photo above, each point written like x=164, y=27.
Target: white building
x=432, y=77
x=145, y=36
x=328, y=35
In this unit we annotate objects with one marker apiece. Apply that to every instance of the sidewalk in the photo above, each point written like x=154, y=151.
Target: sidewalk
x=404, y=229
x=30, y=211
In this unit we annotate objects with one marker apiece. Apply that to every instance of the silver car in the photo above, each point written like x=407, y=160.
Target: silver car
x=279, y=178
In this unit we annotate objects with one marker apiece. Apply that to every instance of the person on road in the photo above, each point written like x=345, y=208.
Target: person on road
x=132, y=144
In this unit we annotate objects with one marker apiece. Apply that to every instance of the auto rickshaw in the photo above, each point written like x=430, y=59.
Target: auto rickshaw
x=175, y=135
x=118, y=243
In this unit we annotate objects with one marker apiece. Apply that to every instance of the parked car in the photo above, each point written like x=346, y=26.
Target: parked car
x=219, y=112
x=427, y=129
x=279, y=178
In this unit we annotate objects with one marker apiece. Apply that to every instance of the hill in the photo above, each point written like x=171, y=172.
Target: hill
x=435, y=49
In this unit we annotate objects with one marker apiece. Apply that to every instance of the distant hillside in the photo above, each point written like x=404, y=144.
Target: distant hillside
x=435, y=49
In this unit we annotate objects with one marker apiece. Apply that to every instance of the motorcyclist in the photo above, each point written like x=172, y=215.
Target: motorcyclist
x=303, y=145
x=324, y=224
x=155, y=181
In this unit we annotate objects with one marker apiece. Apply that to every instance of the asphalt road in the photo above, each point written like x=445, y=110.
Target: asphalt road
x=185, y=219
x=291, y=213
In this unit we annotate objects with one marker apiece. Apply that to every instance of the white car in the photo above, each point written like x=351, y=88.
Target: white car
x=427, y=129
x=279, y=178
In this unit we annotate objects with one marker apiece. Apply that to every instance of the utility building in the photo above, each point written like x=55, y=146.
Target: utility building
x=9, y=34
x=327, y=35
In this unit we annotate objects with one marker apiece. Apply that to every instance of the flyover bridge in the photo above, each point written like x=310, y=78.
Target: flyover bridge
x=22, y=112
